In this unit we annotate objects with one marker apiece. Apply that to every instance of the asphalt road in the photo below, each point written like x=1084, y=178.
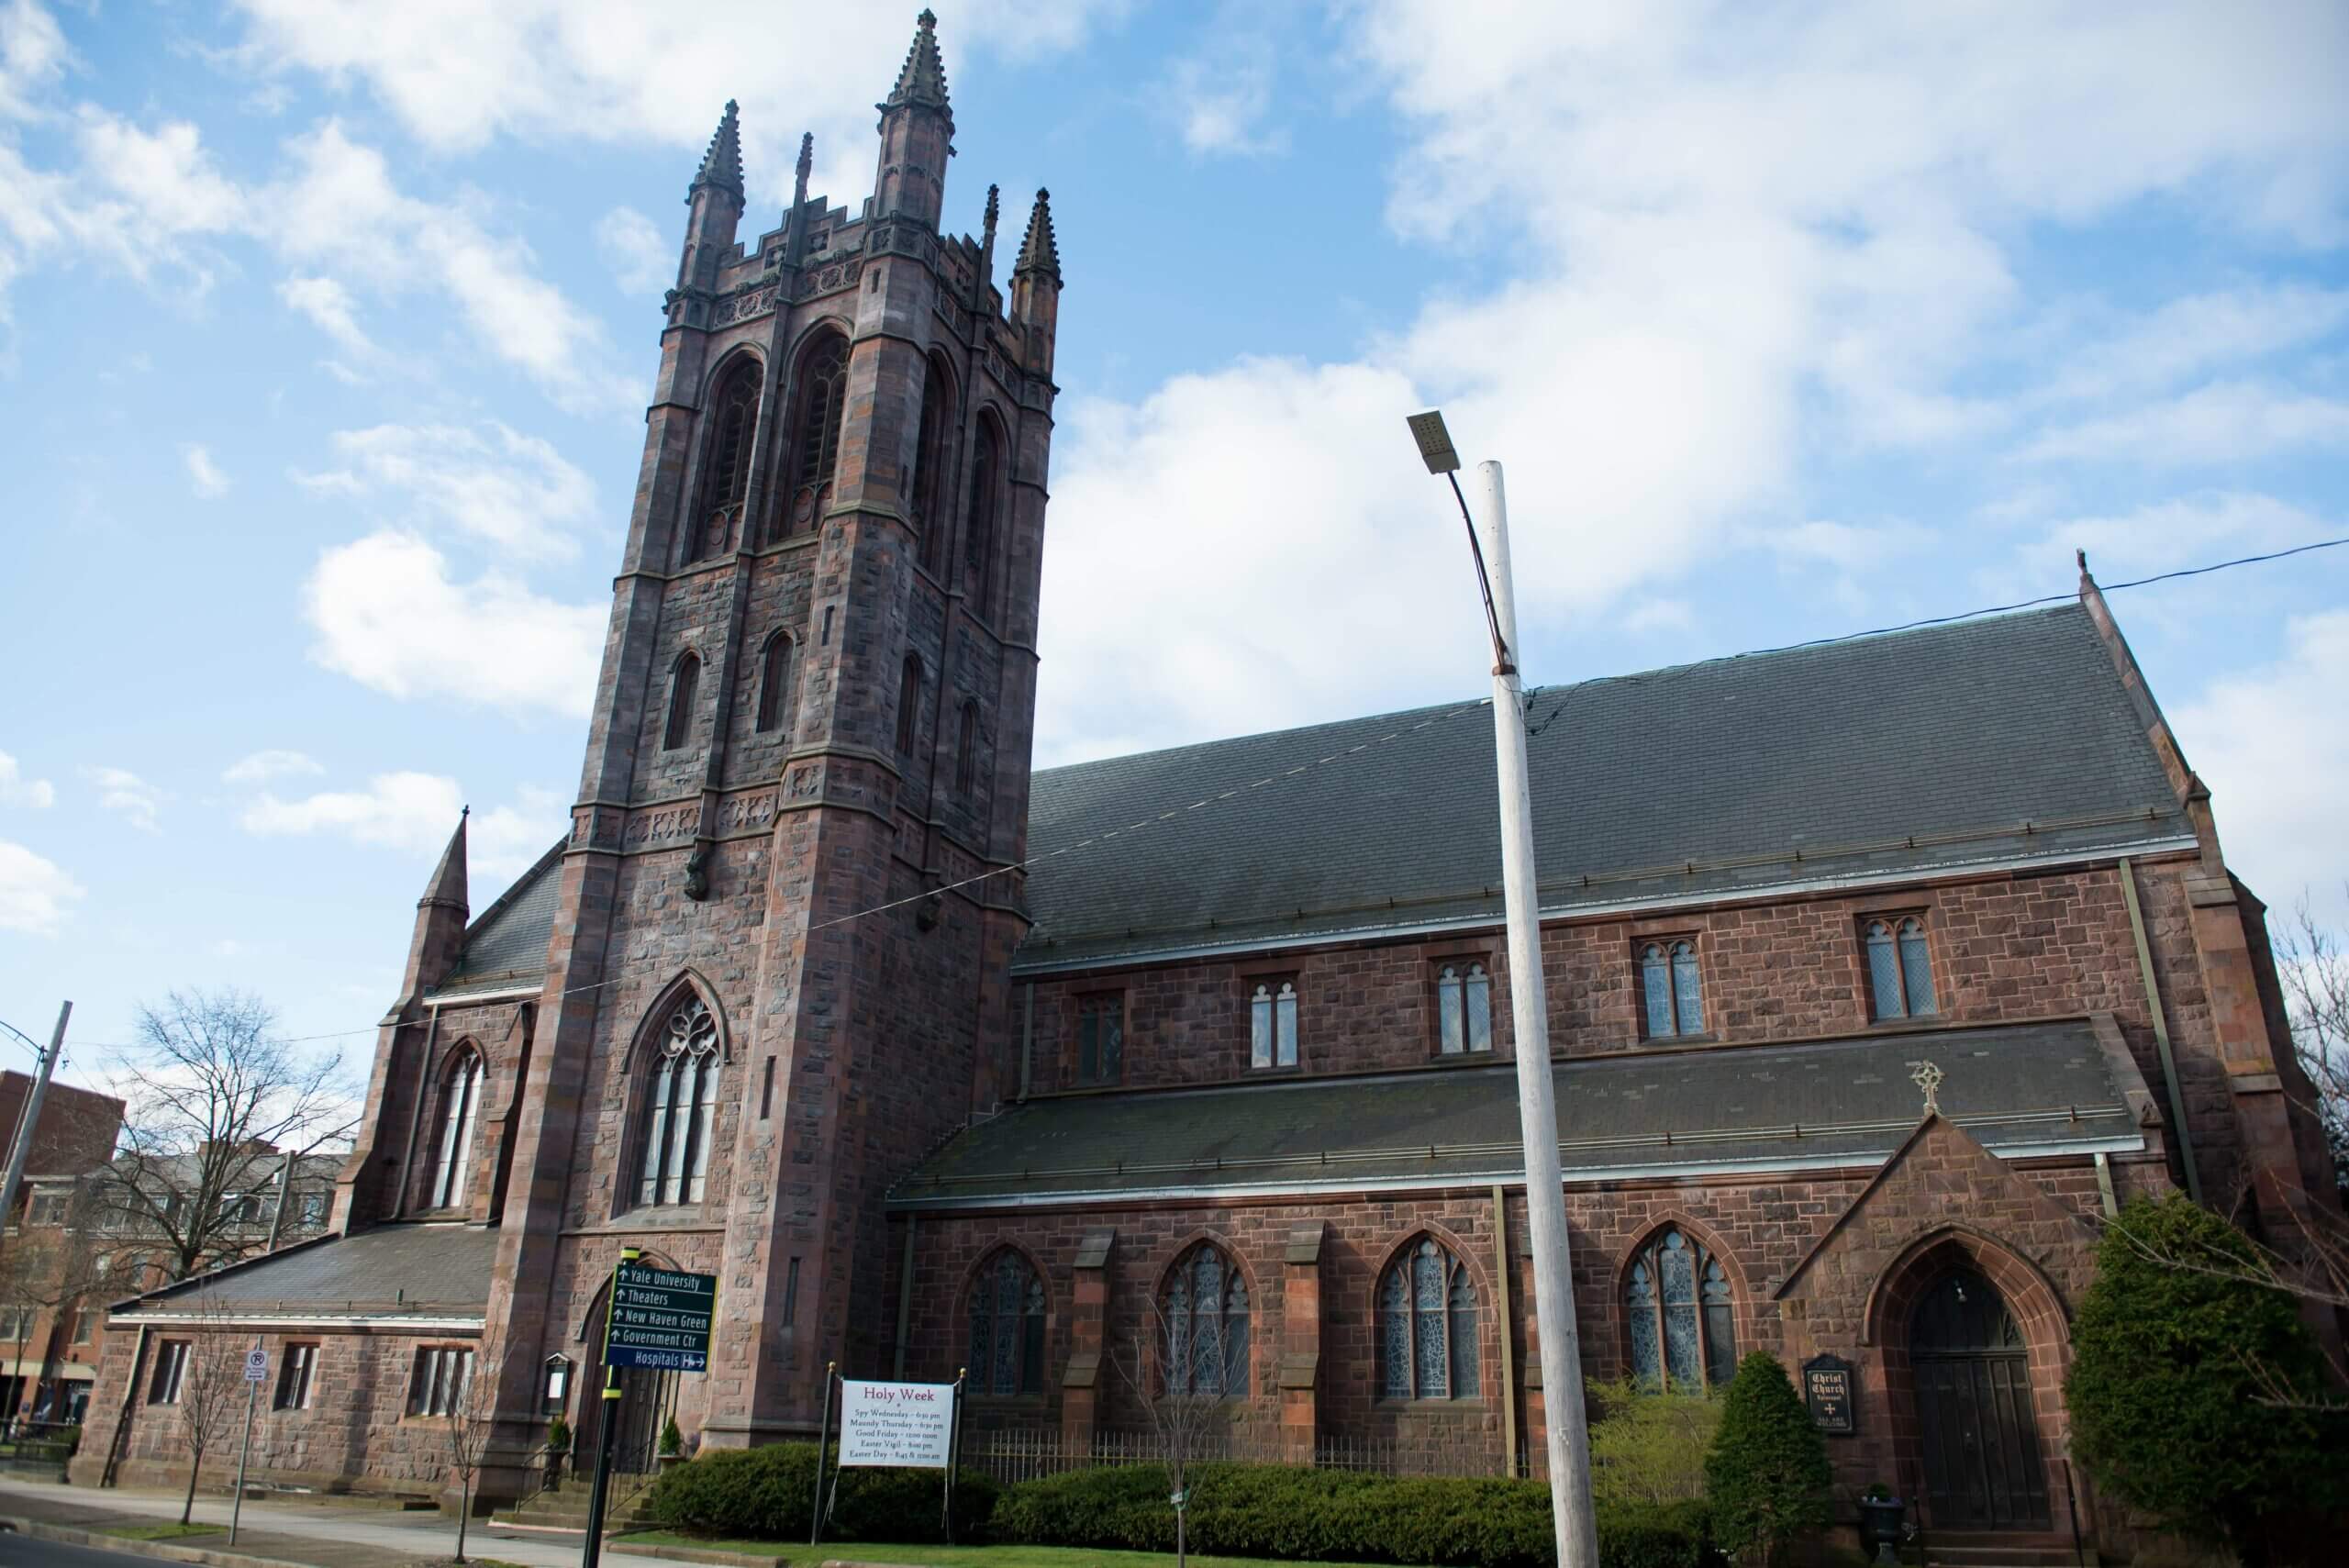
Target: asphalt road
x=24, y=1551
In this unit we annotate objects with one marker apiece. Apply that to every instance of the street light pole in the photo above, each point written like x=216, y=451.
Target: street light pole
x=1565, y=1429
x=28, y=1124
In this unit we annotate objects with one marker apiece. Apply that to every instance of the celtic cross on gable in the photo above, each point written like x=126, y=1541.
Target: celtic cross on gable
x=1927, y=1077
x=692, y=1031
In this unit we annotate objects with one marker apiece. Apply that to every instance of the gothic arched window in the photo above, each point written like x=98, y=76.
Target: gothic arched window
x=931, y=443
x=979, y=532
x=1006, y=1328
x=1672, y=988
x=461, y=1088
x=679, y=1104
x=818, y=401
x=1427, y=1326
x=774, y=682
x=1204, y=1305
x=966, y=750
x=908, y=704
x=679, y=726
x=733, y=422
x=1901, y=969
x=1464, y=1008
x=1680, y=1313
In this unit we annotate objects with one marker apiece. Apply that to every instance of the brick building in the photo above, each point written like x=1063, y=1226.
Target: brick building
x=938, y=1064
x=52, y=1289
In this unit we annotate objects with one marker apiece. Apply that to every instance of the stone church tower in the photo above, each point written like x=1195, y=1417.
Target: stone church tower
x=783, y=918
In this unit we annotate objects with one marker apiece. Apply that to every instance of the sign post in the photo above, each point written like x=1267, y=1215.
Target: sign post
x=654, y=1318
x=256, y=1373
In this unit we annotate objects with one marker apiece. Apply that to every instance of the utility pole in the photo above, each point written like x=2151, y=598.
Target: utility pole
x=1567, y=1427
x=30, y=1120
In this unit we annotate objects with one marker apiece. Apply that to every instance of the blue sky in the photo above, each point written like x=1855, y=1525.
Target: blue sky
x=326, y=331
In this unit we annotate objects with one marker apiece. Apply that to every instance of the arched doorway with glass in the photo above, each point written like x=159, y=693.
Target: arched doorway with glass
x=1984, y=1465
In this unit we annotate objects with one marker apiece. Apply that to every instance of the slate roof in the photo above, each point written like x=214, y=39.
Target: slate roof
x=508, y=946
x=2004, y=739
x=415, y=1270
x=2018, y=1089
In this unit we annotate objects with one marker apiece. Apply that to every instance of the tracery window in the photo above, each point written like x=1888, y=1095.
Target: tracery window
x=1204, y=1305
x=1901, y=969
x=733, y=422
x=1006, y=1328
x=1672, y=988
x=908, y=704
x=682, y=1098
x=1427, y=1326
x=1680, y=1313
x=461, y=1088
x=679, y=726
x=929, y=459
x=979, y=532
x=1272, y=1024
x=774, y=682
x=819, y=399
x=966, y=750
x=1464, y=1008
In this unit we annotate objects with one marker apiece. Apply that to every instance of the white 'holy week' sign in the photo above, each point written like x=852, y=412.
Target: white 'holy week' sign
x=896, y=1423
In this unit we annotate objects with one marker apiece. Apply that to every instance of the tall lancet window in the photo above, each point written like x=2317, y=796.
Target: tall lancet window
x=460, y=1111
x=681, y=1100
x=818, y=403
x=1205, y=1308
x=978, y=533
x=679, y=726
x=929, y=459
x=732, y=422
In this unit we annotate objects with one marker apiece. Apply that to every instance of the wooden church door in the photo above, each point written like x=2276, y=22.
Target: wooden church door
x=1983, y=1464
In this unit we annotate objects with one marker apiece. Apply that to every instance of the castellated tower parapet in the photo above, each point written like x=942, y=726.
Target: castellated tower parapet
x=804, y=798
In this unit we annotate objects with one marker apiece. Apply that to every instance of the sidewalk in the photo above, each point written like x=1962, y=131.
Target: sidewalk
x=308, y=1534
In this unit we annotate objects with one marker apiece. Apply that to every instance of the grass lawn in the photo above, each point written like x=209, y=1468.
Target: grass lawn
x=952, y=1556
x=171, y=1531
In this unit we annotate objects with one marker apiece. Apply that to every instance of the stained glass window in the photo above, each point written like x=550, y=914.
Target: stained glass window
x=1007, y=1322
x=460, y=1105
x=1427, y=1326
x=1464, y=1003
x=1679, y=1315
x=1204, y=1305
x=1901, y=970
x=683, y=1100
x=1672, y=989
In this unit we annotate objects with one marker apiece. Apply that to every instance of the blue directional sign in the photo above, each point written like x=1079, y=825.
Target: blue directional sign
x=661, y=1318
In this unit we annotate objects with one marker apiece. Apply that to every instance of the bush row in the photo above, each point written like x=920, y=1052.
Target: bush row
x=769, y=1493
x=1251, y=1510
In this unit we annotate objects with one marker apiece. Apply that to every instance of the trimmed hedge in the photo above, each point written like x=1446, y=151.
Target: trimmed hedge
x=768, y=1494
x=1270, y=1510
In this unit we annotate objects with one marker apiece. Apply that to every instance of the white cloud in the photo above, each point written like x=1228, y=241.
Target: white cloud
x=2274, y=766
x=17, y=790
x=514, y=491
x=33, y=55
x=34, y=892
x=166, y=174
x=387, y=614
x=2223, y=422
x=414, y=813
x=328, y=305
x=273, y=763
x=1219, y=98
x=204, y=475
x=642, y=259
x=2195, y=333
x=120, y=790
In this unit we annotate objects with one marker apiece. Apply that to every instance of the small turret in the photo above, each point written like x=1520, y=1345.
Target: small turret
x=440, y=916
x=917, y=134
x=715, y=200
x=1036, y=282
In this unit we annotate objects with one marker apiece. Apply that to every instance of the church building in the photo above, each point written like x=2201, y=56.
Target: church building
x=1879, y=974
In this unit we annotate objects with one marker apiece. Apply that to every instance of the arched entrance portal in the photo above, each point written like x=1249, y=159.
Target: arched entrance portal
x=1984, y=1469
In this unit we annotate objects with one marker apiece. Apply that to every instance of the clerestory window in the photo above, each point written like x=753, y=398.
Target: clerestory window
x=1464, y=1008
x=1672, y=989
x=1901, y=969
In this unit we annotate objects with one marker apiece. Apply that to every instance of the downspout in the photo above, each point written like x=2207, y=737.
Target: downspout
x=1509, y=1351
x=1027, y=1036
x=2161, y=1029
x=415, y=1115
x=904, y=1297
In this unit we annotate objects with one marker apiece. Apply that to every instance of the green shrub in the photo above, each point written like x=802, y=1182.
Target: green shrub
x=1767, y=1475
x=768, y=1494
x=1270, y=1510
x=1647, y=1446
x=2175, y=1371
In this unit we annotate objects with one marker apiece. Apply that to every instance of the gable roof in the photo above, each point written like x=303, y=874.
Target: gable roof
x=507, y=948
x=2004, y=740
x=395, y=1272
x=2018, y=1089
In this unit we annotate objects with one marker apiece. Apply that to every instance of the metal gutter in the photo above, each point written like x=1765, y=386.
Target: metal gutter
x=227, y=1314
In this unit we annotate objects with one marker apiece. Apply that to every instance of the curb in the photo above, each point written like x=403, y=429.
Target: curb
x=166, y=1551
x=704, y=1554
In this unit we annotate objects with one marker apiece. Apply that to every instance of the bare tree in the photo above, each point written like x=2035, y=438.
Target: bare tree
x=1182, y=1386
x=216, y=1104
x=2315, y=970
x=471, y=1419
x=27, y=1272
x=202, y=1378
